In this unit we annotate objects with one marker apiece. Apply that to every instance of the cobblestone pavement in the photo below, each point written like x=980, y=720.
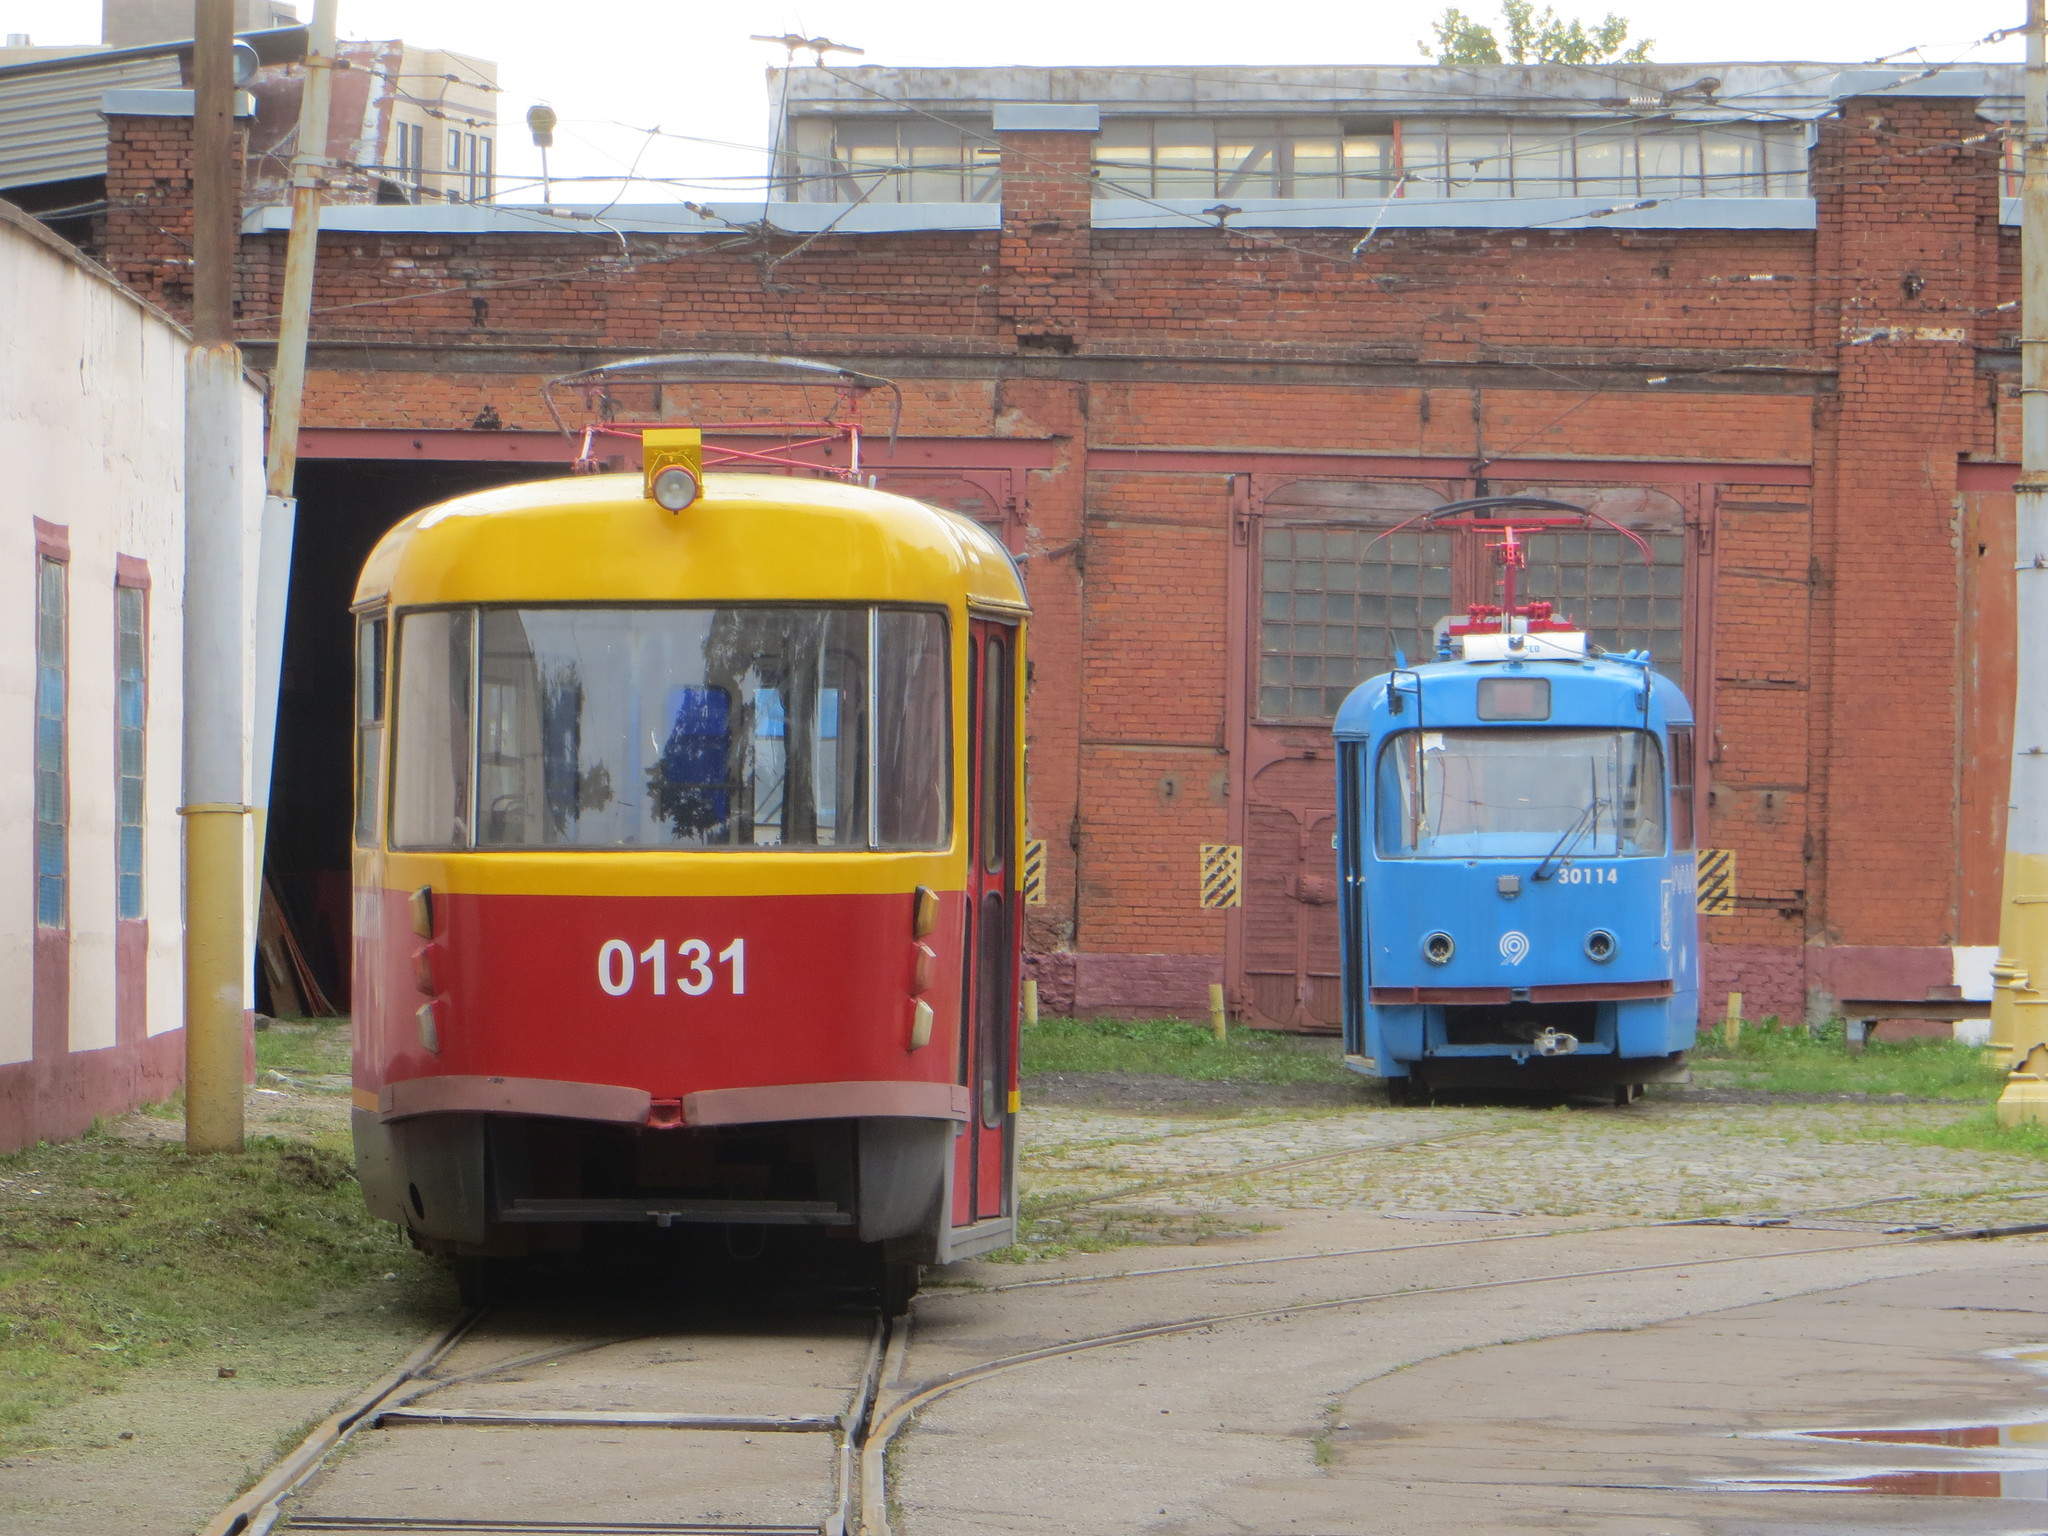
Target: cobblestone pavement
x=1652, y=1161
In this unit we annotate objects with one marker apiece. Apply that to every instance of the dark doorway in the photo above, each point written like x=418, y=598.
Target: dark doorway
x=345, y=506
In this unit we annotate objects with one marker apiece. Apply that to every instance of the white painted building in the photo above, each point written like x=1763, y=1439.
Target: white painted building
x=92, y=519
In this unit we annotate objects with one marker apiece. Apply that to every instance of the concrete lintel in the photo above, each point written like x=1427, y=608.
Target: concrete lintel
x=1366, y=213
x=633, y=219
x=1968, y=84
x=144, y=103
x=1046, y=117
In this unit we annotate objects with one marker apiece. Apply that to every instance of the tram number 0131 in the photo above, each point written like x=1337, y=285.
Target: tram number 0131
x=1572, y=874
x=620, y=968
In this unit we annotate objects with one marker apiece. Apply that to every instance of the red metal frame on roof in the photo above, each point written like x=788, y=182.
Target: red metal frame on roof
x=726, y=452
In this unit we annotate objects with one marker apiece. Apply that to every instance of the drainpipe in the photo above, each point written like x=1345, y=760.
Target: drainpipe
x=287, y=393
x=2019, y=1008
x=215, y=859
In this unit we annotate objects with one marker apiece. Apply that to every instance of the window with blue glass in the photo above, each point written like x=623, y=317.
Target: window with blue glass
x=131, y=700
x=51, y=853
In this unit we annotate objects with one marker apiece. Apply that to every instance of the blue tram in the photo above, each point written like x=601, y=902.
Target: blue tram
x=1515, y=835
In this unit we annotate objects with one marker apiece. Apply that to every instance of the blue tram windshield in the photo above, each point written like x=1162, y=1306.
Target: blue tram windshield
x=1501, y=793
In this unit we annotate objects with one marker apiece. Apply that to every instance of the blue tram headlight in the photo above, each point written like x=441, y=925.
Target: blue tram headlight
x=1438, y=948
x=1600, y=946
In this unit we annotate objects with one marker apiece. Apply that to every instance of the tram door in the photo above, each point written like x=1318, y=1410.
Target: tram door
x=988, y=1022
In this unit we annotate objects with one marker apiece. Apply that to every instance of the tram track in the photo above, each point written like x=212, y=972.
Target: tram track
x=868, y=1426
x=873, y=1416
x=403, y=1398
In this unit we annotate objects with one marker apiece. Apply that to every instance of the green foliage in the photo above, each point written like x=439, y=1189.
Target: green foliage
x=1530, y=36
x=115, y=1253
x=1980, y=1132
x=1170, y=1048
x=1793, y=1059
x=303, y=1049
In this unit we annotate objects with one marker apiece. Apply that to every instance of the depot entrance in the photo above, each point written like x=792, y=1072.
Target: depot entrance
x=1335, y=595
x=345, y=506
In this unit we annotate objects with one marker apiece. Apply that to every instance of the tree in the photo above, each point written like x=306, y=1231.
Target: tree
x=1530, y=36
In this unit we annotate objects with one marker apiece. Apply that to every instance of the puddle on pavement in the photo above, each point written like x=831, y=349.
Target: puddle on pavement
x=2004, y=1460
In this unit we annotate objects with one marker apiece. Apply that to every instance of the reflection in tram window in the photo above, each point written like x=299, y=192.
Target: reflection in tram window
x=742, y=727
x=430, y=800
x=1507, y=793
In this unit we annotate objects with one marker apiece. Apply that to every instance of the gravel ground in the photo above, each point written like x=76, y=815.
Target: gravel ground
x=1670, y=1160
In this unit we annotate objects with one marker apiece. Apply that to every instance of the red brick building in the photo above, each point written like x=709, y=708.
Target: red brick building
x=1762, y=313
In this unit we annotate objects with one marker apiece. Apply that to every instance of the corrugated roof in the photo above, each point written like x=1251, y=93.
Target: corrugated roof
x=50, y=123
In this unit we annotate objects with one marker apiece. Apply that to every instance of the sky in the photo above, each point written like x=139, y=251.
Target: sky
x=692, y=72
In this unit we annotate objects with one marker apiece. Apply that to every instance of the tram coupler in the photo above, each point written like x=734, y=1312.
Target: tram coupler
x=1553, y=1042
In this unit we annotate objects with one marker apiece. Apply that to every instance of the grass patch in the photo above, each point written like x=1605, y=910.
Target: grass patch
x=115, y=1253
x=1980, y=1132
x=1171, y=1048
x=315, y=1045
x=1798, y=1060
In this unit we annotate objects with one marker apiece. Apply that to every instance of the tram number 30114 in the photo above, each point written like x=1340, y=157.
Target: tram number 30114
x=1573, y=874
x=620, y=968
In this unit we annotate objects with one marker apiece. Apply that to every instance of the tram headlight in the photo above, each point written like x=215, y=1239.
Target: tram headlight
x=1600, y=946
x=1438, y=948
x=672, y=465
x=675, y=488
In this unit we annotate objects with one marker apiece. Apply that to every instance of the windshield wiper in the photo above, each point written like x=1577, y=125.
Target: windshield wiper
x=1589, y=816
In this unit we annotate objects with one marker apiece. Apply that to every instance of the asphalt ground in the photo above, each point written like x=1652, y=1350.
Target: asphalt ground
x=1349, y=1319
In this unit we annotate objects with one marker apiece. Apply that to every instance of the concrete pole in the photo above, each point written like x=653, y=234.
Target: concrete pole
x=215, y=633
x=287, y=395
x=2019, y=1009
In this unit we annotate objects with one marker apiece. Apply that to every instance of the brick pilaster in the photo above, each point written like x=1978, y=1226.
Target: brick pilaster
x=1044, y=267
x=148, y=241
x=1903, y=205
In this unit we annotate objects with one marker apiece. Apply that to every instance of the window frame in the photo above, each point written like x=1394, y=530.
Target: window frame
x=53, y=554
x=1392, y=741
x=132, y=575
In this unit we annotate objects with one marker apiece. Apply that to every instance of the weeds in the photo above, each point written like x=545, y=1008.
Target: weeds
x=1170, y=1048
x=115, y=1253
x=1795, y=1059
x=304, y=1048
x=1980, y=1132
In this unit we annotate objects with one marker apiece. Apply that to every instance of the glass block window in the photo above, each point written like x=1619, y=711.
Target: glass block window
x=51, y=685
x=1600, y=580
x=131, y=700
x=1335, y=605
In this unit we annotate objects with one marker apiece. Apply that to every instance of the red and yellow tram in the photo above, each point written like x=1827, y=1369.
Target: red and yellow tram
x=686, y=868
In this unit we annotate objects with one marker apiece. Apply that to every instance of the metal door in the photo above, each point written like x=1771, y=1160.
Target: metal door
x=988, y=1021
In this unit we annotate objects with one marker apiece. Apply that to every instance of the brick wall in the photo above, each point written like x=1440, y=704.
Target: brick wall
x=1808, y=395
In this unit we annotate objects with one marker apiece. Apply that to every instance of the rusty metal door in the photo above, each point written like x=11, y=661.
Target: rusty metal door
x=1332, y=604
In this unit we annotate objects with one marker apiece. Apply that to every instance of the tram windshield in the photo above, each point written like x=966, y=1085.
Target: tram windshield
x=763, y=726
x=1512, y=793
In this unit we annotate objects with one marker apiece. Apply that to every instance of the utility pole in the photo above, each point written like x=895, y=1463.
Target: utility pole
x=215, y=635
x=287, y=395
x=2019, y=1008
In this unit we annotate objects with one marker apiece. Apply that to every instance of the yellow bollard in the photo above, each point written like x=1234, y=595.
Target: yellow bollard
x=1218, y=1024
x=1731, y=1026
x=1030, y=1000
x=2025, y=1099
